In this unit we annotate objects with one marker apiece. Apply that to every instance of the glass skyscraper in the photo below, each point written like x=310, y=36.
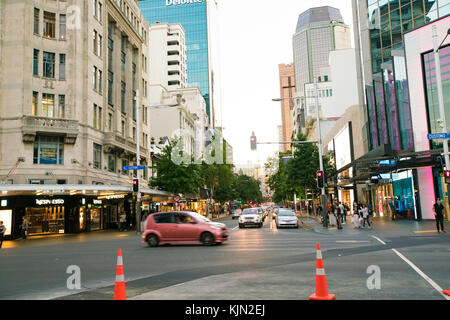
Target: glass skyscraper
x=193, y=16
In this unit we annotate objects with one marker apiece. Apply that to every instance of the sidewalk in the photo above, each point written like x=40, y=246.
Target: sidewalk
x=381, y=225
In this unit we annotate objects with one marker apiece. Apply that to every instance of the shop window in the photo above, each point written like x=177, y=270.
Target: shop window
x=48, y=150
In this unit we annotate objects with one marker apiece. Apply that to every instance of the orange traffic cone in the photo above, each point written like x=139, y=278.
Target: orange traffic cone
x=321, y=281
x=119, y=289
x=447, y=292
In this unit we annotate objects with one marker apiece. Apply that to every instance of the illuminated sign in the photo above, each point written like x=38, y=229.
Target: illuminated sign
x=182, y=2
x=4, y=203
x=115, y=197
x=47, y=201
x=6, y=217
x=97, y=201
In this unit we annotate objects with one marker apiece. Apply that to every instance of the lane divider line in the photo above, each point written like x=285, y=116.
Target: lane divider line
x=379, y=240
x=415, y=268
x=423, y=275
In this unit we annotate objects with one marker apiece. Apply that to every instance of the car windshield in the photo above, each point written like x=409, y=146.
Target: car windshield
x=199, y=217
x=286, y=213
x=250, y=211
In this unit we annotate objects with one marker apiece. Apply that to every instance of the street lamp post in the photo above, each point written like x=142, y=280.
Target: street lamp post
x=138, y=162
x=319, y=138
x=437, y=63
x=319, y=141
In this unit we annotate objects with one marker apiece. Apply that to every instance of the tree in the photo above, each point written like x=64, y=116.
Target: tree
x=248, y=189
x=302, y=169
x=277, y=178
x=176, y=179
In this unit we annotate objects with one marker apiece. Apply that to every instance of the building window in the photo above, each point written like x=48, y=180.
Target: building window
x=49, y=24
x=97, y=156
x=144, y=115
x=62, y=106
x=99, y=45
x=134, y=106
x=99, y=11
x=111, y=163
x=62, y=67
x=122, y=100
x=34, y=104
x=36, y=62
x=36, y=20
x=62, y=26
x=49, y=65
x=100, y=81
x=326, y=78
x=94, y=77
x=110, y=121
x=99, y=122
x=123, y=128
x=48, y=105
x=110, y=88
x=124, y=164
x=48, y=150
x=134, y=134
x=95, y=45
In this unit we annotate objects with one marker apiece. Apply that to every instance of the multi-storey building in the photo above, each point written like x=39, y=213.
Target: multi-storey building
x=392, y=126
x=68, y=103
x=287, y=91
x=319, y=31
x=168, y=52
x=198, y=19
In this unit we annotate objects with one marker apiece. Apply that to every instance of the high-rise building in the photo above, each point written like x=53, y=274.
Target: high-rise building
x=167, y=54
x=197, y=18
x=319, y=31
x=287, y=90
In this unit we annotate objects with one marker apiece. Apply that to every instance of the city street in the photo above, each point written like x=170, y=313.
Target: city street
x=255, y=264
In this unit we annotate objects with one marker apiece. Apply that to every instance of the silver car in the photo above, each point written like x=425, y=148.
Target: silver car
x=236, y=214
x=250, y=217
x=286, y=218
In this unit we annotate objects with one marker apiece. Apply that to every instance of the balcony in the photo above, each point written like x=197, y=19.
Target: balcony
x=114, y=143
x=51, y=126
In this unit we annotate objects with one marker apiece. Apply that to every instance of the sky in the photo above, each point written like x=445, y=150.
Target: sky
x=255, y=37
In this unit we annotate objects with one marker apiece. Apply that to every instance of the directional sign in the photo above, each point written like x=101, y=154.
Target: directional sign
x=437, y=136
x=129, y=168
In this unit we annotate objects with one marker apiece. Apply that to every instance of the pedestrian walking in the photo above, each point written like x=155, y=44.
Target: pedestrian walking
x=365, y=213
x=338, y=213
x=24, y=227
x=122, y=221
x=2, y=233
x=343, y=213
x=438, y=210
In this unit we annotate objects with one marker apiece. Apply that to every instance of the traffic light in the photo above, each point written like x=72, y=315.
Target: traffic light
x=253, y=142
x=447, y=176
x=320, y=179
x=135, y=185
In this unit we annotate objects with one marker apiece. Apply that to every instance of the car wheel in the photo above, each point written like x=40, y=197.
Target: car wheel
x=241, y=226
x=260, y=225
x=207, y=239
x=153, y=240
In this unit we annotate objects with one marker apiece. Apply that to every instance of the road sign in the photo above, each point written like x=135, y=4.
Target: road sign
x=177, y=198
x=129, y=168
x=437, y=136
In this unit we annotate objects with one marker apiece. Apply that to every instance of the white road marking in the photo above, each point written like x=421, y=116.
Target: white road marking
x=415, y=268
x=379, y=240
x=234, y=228
x=351, y=241
x=423, y=275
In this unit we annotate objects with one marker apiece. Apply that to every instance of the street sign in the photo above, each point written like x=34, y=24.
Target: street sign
x=177, y=198
x=437, y=136
x=129, y=168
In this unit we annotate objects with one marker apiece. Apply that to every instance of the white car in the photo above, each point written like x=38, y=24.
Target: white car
x=250, y=217
x=286, y=218
x=236, y=214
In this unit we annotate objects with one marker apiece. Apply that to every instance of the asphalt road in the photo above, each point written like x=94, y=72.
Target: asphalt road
x=255, y=264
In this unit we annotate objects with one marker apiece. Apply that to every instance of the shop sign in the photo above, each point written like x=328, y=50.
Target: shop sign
x=4, y=203
x=43, y=202
x=97, y=201
x=115, y=197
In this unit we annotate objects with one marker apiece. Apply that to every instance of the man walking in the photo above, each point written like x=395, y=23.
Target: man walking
x=438, y=210
x=2, y=233
x=343, y=213
x=24, y=227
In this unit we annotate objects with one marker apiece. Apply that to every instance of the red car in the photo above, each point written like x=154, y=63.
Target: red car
x=182, y=227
